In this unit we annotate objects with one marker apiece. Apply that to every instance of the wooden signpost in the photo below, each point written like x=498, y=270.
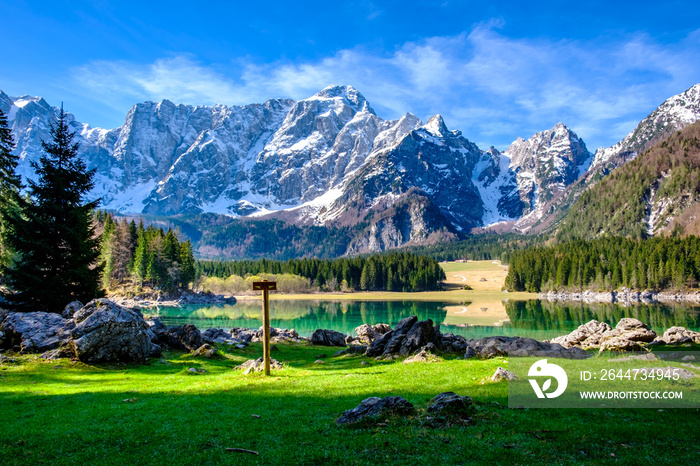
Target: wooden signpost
x=266, y=286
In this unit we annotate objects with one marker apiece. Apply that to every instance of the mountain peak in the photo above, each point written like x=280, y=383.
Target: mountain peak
x=436, y=126
x=349, y=94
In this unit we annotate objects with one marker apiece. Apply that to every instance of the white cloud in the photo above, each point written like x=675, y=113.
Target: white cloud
x=492, y=87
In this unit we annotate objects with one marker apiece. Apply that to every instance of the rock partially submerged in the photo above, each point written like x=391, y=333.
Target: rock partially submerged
x=375, y=407
x=107, y=332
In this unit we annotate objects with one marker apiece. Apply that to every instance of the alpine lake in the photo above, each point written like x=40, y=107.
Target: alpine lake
x=482, y=312
x=536, y=318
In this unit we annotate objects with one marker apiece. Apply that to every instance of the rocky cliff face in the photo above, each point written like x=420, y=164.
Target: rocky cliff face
x=330, y=160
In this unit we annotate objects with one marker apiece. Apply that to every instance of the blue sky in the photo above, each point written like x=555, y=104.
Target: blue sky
x=495, y=70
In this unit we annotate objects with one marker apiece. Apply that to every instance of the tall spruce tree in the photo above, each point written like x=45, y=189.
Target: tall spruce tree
x=53, y=234
x=10, y=185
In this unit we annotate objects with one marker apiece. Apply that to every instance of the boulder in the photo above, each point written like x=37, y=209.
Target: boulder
x=206, y=351
x=422, y=356
x=629, y=334
x=408, y=337
x=34, y=332
x=186, y=337
x=451, y=404
x=452, y=343
x=587, y=335
x=220, y=336
x=368, y=333
x=328, y=338
x=490, y=347
x=71, y=309
x=679, y=336
x=107, y=332
x=375, y=407
x=502, y=374
x=258, y=365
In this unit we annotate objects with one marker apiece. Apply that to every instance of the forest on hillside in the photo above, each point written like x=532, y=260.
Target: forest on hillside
x=607, y=264
x=618, y=204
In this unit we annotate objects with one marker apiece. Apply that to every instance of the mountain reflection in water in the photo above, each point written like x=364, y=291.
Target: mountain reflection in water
x=535, y=318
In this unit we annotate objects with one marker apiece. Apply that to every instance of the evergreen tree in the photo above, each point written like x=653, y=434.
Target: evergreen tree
x=10, y=185
x=53, y=235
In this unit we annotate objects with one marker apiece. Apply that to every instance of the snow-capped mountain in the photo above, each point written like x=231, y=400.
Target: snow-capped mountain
x=545, y=165
x=672, y=115
x=330, y=160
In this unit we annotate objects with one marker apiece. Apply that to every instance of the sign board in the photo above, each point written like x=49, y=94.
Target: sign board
x=271, y=286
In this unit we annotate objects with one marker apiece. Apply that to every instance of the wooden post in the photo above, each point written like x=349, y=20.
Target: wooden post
x=266, y=286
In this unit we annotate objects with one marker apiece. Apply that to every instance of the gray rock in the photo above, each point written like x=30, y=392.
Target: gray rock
x=34, y=332
x=368, y=333
x=218, y=336
x=408, y=337
x=628, y=335
x=375, y=407
x=108, y=332
x=206, y=351
x=185, y=337
x=490, y=347
x=258, y=365
x=502, y=374
x=328, y=338
x=587, y=335
x=451, y=404
x=196, y=370
x=422, y=356
x=679, y=336
x=71, y=308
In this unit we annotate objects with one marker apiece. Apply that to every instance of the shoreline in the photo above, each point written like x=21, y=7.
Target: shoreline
x=624, y=297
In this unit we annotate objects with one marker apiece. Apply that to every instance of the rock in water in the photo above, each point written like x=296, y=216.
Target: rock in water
x=451, y=404
x=328, y=338
x=374, y=407
x=107, y=332
x=34, y=332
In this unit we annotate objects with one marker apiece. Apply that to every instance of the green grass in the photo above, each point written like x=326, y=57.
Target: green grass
x=64, y=412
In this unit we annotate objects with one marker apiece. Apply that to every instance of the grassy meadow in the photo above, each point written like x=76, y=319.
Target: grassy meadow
x=65, y=412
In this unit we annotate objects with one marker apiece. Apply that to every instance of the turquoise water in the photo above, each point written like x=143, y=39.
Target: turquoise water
x=535, y=318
